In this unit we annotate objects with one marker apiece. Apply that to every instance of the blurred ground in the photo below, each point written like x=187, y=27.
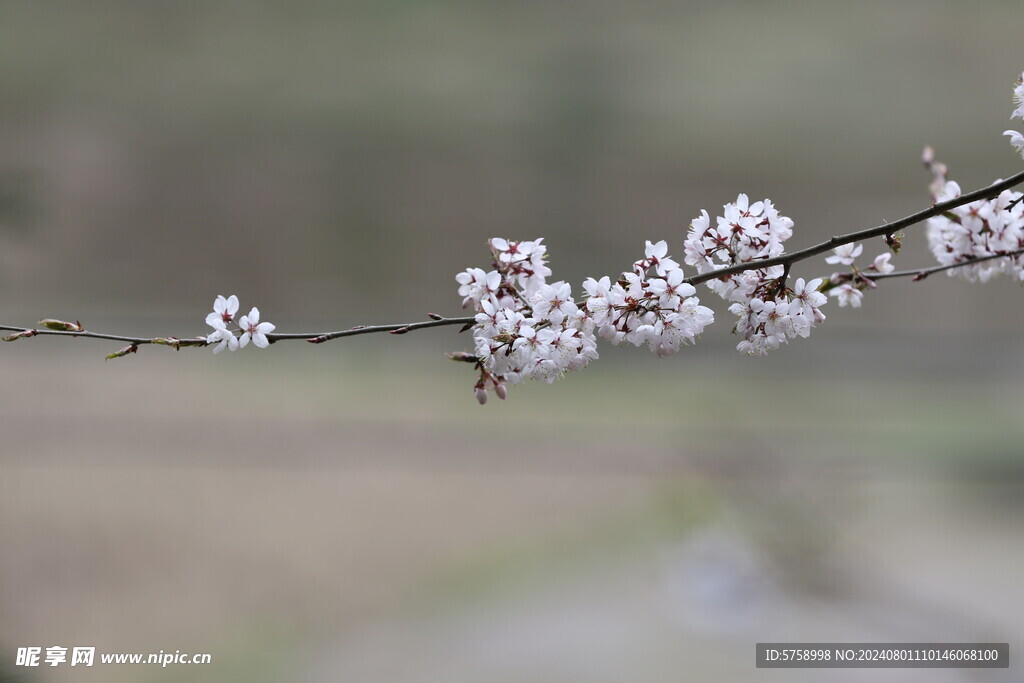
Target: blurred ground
x=327, y=521
x=346, y=511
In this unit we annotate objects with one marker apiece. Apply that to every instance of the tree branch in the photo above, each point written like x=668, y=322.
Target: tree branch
x=62, y=329
x=176, y=342
x=164, y=341
x=989, y=192
x=400, y=328
x=925, y=272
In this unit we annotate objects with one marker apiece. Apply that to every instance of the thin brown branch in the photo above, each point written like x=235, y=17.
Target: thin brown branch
x=163, y=341
x=787, y=260
x=176, y=342
x=925, y=272
x=790, y=258
x=399, y=328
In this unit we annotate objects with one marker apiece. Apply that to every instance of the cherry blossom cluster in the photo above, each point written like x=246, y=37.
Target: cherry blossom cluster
x=223, y=317
x=1017, y=139
x=979, y=230
x=650, y=305
x=769, y=313
x=525, y=328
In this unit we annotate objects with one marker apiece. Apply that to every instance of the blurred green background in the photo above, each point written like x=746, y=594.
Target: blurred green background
x=347, y=511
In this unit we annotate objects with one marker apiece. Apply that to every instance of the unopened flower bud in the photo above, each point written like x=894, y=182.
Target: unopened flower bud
x=462, y=357
x=61, y=325
x=481, y=395
x=131, y=348
x=19, y=335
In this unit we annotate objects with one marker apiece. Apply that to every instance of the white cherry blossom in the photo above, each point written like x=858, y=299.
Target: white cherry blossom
x=223, y=311
x=223, y=338
x=1018, y=98
x=881, y=263
x=253, y=329
x=806, y=297
x=845, y=254
x=554, y=302
x=1017, y=140
x=847, y=294
x=476, y=285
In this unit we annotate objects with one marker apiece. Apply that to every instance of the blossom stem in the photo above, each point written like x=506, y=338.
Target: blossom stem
x=167, y=341
x=314, y=337
x=925, y=272
x=399, y=328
